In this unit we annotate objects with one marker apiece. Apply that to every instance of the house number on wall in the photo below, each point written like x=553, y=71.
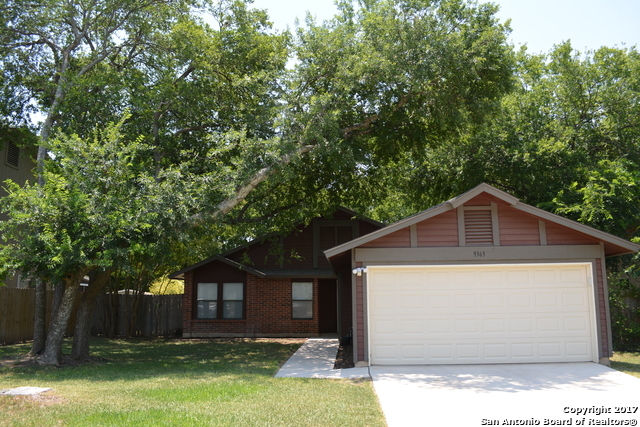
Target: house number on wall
x=479, y=254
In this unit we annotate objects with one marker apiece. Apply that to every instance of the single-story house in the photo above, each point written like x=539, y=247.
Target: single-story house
x=275, y=286
x=481, y=278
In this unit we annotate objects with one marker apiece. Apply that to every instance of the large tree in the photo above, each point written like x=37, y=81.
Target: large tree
x=51, y=47
x=382, y=81
x=84, y=64
x=567, y=139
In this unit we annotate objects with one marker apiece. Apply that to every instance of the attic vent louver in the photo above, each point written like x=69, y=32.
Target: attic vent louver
x=478, y=227
x=13, y=154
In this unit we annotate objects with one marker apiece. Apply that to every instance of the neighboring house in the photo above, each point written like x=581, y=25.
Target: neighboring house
x=482, y=278
x=18, y=165
x=275, y=285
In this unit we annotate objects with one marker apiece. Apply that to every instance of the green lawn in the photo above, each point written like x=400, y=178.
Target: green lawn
x=629, y=363
x=182, y=383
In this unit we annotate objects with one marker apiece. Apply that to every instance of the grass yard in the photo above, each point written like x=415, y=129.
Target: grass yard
x=629, y=363
x=182, y=383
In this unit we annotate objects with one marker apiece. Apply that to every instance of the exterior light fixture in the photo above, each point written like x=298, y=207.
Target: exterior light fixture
x=358, y=271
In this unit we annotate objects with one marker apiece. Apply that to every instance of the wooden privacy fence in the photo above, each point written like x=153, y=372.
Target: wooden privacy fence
x=141, y=316
x=151, y=316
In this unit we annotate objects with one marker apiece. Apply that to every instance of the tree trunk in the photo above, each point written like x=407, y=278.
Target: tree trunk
x=53, y=346
x=39, y=318
x=84, y=315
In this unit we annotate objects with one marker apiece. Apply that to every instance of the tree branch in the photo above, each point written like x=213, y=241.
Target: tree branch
x=241, y=220
x=228, y=204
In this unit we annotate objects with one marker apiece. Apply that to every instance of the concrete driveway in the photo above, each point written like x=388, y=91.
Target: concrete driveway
x=532, y=394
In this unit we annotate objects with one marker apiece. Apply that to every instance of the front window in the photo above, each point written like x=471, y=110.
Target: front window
x=207, y=300
x=230, y=296
x=302, y=300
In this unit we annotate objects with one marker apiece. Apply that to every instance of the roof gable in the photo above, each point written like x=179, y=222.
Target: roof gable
x=484, y=194
x=294, y=253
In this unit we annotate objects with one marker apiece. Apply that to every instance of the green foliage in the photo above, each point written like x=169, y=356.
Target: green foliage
x=607, y=199
x=381, y=84
x=100, y=205
x=629, y=363
x=565, y=140
x=624, y=301
x=166, y=286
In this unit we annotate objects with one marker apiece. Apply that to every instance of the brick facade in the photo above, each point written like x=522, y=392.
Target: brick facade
x=267, y=311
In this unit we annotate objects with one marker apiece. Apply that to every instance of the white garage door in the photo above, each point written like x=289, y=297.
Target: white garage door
x=481, y=314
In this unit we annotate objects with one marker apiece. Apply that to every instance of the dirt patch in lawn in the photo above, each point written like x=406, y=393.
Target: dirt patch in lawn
x=29, y=361
x=15, y=404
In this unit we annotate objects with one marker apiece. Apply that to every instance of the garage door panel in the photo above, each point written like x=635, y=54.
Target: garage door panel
x=577, y=349
x=537, y=319
x=577, y=324
x=494, y=326
x=445, y=353
x=537, y=324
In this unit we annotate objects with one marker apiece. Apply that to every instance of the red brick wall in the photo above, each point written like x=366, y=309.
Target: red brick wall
x=269, y=307
x=187, y=303
x=267, y=311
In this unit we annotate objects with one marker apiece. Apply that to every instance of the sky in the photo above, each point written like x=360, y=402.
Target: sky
x=539, y=24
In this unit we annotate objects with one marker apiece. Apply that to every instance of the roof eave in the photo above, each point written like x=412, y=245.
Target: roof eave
x=483, y=188
x=179, y=275
x=436, y=210
x=627, y=246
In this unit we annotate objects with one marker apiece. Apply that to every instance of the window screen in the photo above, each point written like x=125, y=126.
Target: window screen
x=232, y=297
x=302, y=300
x=207, y=300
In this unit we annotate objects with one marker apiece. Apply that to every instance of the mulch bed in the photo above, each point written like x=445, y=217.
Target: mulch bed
x=344, y=359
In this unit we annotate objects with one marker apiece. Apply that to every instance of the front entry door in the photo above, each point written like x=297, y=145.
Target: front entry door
x=328, y=306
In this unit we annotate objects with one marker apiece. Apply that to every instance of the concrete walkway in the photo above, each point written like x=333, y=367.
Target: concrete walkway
x=315, y=359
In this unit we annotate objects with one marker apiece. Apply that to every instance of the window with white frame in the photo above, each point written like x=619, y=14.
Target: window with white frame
x=229, y=295
x=232, y=300
x=302, y=300
x=207, y=301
